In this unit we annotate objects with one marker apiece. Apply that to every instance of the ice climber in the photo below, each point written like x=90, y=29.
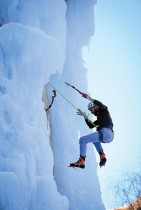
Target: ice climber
x=104, y=131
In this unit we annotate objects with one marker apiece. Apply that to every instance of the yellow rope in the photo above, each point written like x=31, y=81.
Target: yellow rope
x=63, y=96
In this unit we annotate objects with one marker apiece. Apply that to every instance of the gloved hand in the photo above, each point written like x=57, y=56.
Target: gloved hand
x=82, y=114
x=85, y=95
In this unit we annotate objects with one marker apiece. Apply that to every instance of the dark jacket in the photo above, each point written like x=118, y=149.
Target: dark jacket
x=103, y=117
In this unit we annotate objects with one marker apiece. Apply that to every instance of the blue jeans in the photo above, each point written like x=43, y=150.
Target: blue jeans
x=105, y=135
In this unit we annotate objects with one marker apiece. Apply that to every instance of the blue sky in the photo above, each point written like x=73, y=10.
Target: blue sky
x=113, y=60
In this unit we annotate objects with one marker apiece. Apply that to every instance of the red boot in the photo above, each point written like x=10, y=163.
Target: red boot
x=102, y=159
x=80, y=163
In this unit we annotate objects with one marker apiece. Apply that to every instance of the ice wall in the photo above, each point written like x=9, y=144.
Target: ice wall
x=28, y=55
x=35, y=43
